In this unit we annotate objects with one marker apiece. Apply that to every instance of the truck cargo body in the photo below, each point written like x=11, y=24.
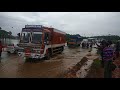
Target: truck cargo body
x=42, y=42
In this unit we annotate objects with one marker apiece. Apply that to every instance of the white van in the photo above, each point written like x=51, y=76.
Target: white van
x=12, y=47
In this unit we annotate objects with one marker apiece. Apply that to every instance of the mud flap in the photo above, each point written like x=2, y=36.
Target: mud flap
x=47, y=56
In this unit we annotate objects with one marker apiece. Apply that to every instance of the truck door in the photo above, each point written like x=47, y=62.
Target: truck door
x=47, y=38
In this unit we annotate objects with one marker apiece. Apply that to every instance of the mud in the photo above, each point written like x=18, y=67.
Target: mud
x=71, y=73
x=116, y=72
x=95, y=70
x=84, y=69
x=81, y=69
x=13, y=66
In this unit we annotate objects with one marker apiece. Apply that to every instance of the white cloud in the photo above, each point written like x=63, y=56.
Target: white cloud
x=88, y=23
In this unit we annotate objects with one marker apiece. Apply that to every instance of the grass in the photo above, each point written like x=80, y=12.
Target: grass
x=95, y=71
x=96, y=64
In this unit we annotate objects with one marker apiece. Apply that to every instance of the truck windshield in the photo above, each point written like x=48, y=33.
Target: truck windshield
x=37, y=37
x=25, y=37
x=72, y=40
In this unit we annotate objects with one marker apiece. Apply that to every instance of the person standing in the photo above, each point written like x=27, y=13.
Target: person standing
x=87, y=45
x=112, y=45
x=0, y=49
x=100, y=51
x=117, y=49
x=108, y=54
x=83, y=44
x=91, y=44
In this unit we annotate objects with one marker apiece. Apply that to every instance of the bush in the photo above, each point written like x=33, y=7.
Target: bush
x=96, y=63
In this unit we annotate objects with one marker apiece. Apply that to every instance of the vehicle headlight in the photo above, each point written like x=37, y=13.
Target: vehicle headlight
x=38, y=51
x=20, y=50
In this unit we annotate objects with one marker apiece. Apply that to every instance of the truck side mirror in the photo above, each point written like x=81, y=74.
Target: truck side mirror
x=46, y=36
x=50, y=37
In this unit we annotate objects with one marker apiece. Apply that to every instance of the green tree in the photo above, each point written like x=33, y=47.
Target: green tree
x=10, y=33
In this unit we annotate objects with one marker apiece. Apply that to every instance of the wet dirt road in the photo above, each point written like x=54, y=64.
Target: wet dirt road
x=12, y=66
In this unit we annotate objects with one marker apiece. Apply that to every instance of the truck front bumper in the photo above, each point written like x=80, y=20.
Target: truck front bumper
x=31, y=55
x=11, y=50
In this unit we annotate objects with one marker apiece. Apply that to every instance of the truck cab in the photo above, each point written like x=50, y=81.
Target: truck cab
x=39, y=42
x=32, y=42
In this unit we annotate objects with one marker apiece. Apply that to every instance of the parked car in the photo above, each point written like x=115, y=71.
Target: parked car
x=12, y=48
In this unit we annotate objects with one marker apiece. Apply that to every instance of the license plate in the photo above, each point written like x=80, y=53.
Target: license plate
x=27, y=54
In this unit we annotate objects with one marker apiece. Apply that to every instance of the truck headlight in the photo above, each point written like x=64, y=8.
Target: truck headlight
x=38, y=51
x=35, y=51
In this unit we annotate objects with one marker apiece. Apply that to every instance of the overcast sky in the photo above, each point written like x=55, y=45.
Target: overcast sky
x=83, y=23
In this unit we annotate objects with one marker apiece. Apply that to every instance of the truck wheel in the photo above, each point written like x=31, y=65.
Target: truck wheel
x=8, y=52
x=15, y=52
x=60, y=52
x=62, y=48
x=47, y=56
x=27, y=60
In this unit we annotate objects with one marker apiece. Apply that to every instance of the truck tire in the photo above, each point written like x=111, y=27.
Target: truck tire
x=15, y=52
x=27, y=60
x=8, y=52
x=48, y=56
x=62, y=49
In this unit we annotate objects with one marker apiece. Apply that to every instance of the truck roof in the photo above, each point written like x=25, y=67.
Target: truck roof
x=39, y=28
x=75, y=36
x=33, y=26
x=55, y=30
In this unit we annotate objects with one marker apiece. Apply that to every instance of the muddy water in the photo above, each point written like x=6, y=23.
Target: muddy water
x=13, y=66
x=86, y=67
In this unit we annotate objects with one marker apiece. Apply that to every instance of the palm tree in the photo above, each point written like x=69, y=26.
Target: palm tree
x=10, y=33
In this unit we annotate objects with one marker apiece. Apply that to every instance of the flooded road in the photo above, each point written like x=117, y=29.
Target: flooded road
x=13, y=66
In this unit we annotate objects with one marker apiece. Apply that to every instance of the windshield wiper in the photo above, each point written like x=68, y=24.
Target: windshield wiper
x=36, y=42
x=26, y=41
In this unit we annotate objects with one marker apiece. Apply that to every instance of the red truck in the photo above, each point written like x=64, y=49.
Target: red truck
x=37, y=41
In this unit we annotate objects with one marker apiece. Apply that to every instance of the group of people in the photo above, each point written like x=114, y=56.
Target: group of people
x=108, y=52
x=87, y=44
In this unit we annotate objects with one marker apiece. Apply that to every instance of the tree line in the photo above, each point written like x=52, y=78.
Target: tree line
x=113, y=38
x=4, y=34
